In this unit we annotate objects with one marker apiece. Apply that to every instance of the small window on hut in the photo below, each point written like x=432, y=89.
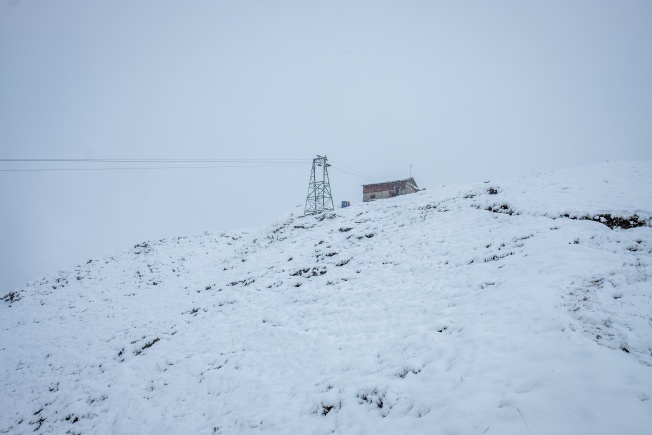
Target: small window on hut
x=373, y=197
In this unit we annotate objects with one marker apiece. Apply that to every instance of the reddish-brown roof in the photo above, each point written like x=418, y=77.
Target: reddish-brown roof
x=388, y=185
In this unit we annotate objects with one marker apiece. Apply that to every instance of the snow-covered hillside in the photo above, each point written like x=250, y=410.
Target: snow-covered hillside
x=506, y=307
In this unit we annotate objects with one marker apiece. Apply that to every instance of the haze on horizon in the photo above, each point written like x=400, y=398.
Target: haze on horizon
x=464, y=92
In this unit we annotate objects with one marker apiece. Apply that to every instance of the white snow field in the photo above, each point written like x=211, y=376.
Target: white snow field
x=503, y=307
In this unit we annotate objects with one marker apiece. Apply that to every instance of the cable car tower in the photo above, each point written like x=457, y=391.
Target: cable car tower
x=319, y=197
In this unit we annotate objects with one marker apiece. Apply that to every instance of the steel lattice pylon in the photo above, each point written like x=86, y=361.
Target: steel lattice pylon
x=319, y=197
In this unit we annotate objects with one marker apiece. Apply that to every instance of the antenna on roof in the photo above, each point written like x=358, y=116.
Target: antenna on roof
x=410, y=170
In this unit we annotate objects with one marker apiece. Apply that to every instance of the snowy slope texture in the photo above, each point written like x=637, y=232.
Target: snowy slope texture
x=508, y=307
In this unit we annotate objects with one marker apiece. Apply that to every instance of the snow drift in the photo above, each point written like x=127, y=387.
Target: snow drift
x=508, y=307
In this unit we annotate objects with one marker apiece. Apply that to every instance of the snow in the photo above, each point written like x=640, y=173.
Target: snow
x=425, y=313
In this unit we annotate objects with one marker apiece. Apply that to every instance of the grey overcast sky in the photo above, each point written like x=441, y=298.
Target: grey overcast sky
x=463, y=90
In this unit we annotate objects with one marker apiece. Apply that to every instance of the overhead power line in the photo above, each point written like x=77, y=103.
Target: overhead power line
x=168, y=164
x=147, y=168
x=184, y=164
x=269, y=161
x=351, y=169
x=354, y=173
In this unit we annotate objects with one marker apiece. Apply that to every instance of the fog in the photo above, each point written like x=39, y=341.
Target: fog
x=462, y=91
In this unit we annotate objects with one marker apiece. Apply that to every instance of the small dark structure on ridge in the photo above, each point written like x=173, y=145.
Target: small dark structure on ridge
x=389, y=189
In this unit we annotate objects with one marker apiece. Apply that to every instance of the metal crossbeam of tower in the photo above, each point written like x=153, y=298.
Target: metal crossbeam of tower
x=319, y=197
